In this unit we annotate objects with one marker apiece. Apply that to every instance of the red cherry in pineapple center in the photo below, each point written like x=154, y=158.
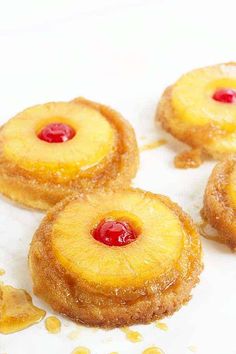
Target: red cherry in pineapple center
x=114, y=233
x=225, y=96
x=56, y=133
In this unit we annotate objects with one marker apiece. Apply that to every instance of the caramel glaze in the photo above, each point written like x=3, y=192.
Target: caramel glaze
x=153, y=145
x=17, y=310
x=161, y=325
x=53, y=324
x=132, y=336
x=188, y=159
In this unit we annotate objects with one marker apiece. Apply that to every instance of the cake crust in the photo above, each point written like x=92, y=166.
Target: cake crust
x=102, y=306
x=117, y=170
x=211, y=138
x=217, y=209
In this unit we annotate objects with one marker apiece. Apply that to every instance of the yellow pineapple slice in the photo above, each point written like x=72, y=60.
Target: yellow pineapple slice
x=200, y=109
x=154, y=252
x=86, y=149
x=101, y=278
x=52, y=150
x=192, y=96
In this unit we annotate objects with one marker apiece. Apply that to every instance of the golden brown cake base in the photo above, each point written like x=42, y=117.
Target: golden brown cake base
x=218, y=210
x=117, y=170
x=100, y=305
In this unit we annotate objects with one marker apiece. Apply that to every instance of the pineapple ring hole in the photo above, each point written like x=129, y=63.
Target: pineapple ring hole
x=117, y=229
x=56, y=132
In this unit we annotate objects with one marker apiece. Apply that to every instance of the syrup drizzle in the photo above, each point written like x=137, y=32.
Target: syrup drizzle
x=53, y=324
x=81, y=350
x=188, y=159
x=161, y=325
x=153, y=350
x=153, y=145
x=132, y=336
x=17, y=310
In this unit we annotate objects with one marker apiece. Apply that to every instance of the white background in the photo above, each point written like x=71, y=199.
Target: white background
x=123, y=53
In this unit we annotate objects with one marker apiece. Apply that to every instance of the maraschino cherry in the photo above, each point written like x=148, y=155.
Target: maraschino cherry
x=225, y=96
x=56, y=133
x=114, y=233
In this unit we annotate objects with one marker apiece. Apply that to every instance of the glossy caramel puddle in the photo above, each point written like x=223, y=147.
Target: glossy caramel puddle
x=161, y=325
x=153, y=145
x=53, y=324
x=202, y=228
x=17, y=310
x=188, y=159
x=132, y=336
x=81, y=350
x=153, y=350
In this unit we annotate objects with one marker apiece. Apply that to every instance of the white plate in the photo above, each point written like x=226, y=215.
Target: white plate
x=122, y=53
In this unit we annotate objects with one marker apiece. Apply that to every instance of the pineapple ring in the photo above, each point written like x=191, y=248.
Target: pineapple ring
x=219, y=207
x=66, y=159
x=110, y=286
x=38, y=174
x=188, y=111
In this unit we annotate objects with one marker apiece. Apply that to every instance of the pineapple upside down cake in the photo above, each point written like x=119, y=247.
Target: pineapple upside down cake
x=200, y=109
x=220, y=201
x=50, y=151
x=115, y=258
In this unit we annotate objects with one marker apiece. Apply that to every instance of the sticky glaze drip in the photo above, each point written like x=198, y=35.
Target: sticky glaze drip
x=188, y=159
x=53, y=324
x=161, y=325
x=17, y=310
x=153, y=145
x=132, y=336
